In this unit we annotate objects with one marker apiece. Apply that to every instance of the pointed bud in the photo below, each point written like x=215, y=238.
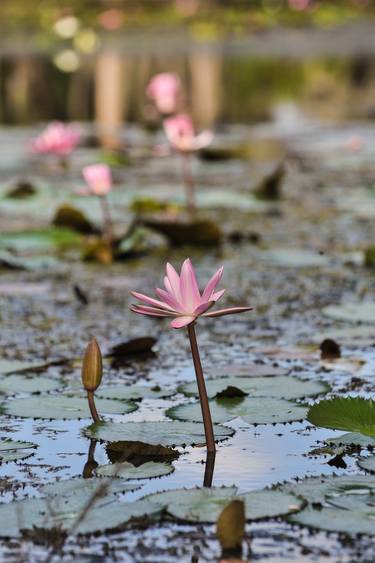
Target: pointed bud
x=92, y=367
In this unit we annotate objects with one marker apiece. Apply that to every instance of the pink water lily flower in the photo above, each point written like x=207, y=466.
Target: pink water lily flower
x=182, y=299
x=164, y=89
x=98, y=178
x=181, y=134
x=58, y=138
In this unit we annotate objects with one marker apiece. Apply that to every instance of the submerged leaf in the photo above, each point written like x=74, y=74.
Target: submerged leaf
x=345, y=413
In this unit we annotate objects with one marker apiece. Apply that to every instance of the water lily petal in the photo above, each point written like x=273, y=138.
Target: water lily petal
x=211, y=285
x=174, y=280
x=217, y=295
x=229, y=311
x=190, y=296
x=169, y=300
x=153, y=311
x=202, y=140
x=180, y=322
x=150, y=300
x=203, y=307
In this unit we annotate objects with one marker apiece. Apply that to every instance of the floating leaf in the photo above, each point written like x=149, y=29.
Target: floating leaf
x=251, y=410
x=16, y=366
x=137, y=453
x=367, y=463
x=283, y=387
x=12, y=384
x=163, y=433
x=82, y=486
x=352, y=312
x=133, y=347
x=230, y=527
x=269, y=503
x=354, y=439
x=200, y=232
x=63, y=407
x=345, y=413
x=134, y=392
x=11, y=450
x=72, y=218
x=294, y=258
x=249, y=370
x=126, y=470
x=47, y=240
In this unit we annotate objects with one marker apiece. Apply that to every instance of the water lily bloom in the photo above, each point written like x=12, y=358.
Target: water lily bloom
x=182, y=299
x=181, y=135
x=58, y=138
x=164, y=89
x=98, y=178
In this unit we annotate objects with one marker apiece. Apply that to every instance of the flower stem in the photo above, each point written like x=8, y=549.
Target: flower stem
x=107, y=219
x=93, y=411
x=206, y=414
x=188, y=181
x=209, y=469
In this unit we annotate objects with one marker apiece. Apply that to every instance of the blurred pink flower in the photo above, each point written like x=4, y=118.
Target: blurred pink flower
x=299, y=5
x=58, y=138
x=181, y=135
x=164, y=89
x=355, y=143
x=182, y=299
x=98, y=178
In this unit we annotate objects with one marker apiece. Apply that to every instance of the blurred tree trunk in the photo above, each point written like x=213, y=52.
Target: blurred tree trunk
x=205, y=70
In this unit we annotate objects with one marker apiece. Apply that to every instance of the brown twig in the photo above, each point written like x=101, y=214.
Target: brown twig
x=206, y=414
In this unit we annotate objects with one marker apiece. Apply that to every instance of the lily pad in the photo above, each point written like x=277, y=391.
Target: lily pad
x=345, y=413
x=354, y=439
x=127, y=470
x=206, y=504
x=47, y=240
x=251, y=410
x=367, y=463
x=12, y=384
x=16, y=366
x=352, y=312
x=249, y=370
x=11, y=450
x=82, y=486
x=202, y=232
x=282, y=386
x=133, y=392
x=63, y=407
x=163, y=433
x=138, y=453
x=294, y=258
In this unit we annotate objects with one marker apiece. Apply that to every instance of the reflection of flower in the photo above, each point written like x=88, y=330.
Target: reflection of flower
x=58, y=138
x=181, y=135
x=182, y=299
x=98, y=178
x=164, y=89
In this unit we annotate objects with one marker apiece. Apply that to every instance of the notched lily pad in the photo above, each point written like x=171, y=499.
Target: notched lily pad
x=252, y=410
x=126, y=470
x=352, y=312
x=282, y=386
x=367, y=463
x=248, y=370
x=16, y=366
x=345, y=413
x=11, y=450
x=133, y=392
x=163, y=433
x=63, y=407
x=12, y=384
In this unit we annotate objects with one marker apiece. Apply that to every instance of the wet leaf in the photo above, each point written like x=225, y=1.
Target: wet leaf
x=200, y=232
x=294, y=258
x=134, y=392
x=230, y=527
x=21, y=190
x=126, y=470
x=270, y=186
x=85, y=487
x=352, y=312
x=13, y=384
x=47, y=240
x=72, y=218
x=11, y=450
x=163, y=433
x=138, y=453
x=63, y=407
x=251, y=410
x=141, y=346
x=354, y=439
x=345, y=413
x=248, y=370
x=283, y=387
x=231, y=392
x=16, y=366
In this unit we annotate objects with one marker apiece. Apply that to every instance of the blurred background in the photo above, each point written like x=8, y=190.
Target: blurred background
x=240, y=61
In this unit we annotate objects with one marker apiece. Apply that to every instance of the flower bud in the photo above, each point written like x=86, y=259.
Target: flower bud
x=92, y=367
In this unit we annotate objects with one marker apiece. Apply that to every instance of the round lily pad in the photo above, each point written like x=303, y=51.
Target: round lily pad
x=206, y=504
x=294, y=258
x=81, y=486
x=345, y=413
x=162, y=433
x=332, y=519
x=12, y=384
x=352, y=439
x=367, y=463
x=248, y=370
x=133, y=392
x=63, y=407
x=282, y=386
x=15, y=366
x=11, y=450
x=352, y=312
x=127, y=470
x=251, y=410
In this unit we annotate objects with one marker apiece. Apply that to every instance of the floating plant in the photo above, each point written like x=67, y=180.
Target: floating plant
x=126, y=470
x=354, y=414
x=182, y=300
x=11, y=450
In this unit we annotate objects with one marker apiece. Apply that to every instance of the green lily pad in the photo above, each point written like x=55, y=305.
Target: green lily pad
x=81, y=486
x=127, y=470
x=352, y=312
x=282, y=386
x=345, y=413
x=352, y=439
x=247, y=370
x=162, y=433
x=206, y=504
x=367, y=463
x=40, y=241
x=15, y=366
x=133, y=392
x=337, y=504
x=63, y=407
x=251, y=410
x=294, y=258
x=11, y=450
x=12, y=384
